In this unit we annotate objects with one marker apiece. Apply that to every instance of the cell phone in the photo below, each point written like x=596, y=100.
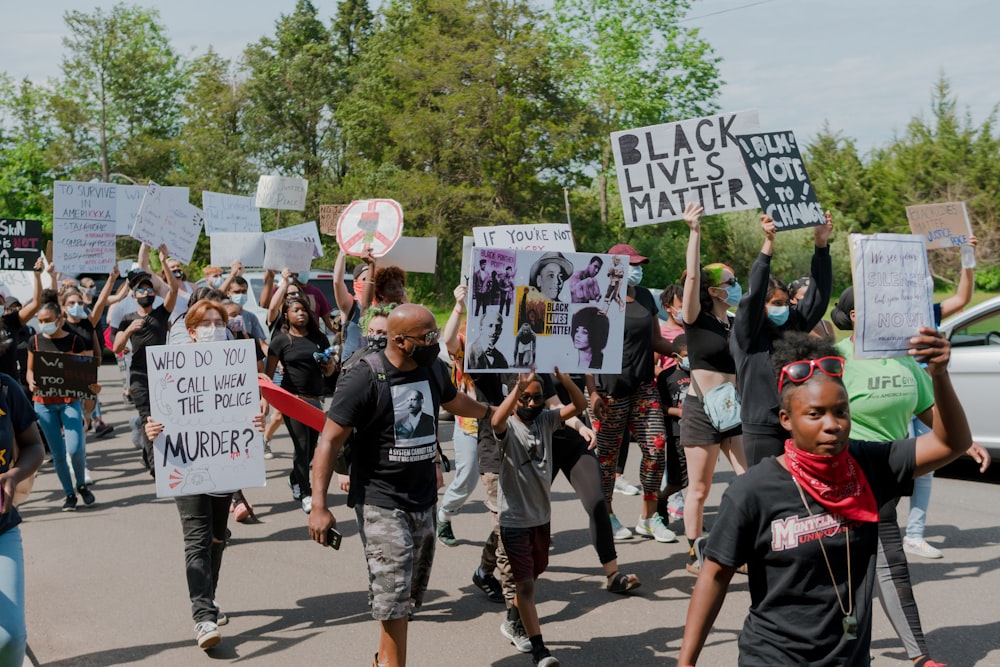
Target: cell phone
x=333, y=538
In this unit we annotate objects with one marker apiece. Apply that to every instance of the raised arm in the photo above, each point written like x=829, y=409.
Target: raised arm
x=235, y=269
x=963, y=295
x=752, y=313
x=172, y=283
x=267, y=289
x=161, y=288
x=500, y=416
x=102, y=298
x=453, y=326
x=812, y=307
x=345, y=300
x=28, y=310
x=579, y=403
x=692, y=284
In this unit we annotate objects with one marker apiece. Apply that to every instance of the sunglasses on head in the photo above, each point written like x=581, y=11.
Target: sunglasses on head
x=798, y=372
x=525, y=399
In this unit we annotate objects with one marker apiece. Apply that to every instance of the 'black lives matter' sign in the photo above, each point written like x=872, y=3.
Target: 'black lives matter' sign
x=20, y=244
x=779, y=177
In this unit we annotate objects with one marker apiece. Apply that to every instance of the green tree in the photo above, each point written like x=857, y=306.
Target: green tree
x=25, y=134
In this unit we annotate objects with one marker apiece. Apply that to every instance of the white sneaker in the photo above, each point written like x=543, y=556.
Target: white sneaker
x=619, y=531
x=917, y=546
x=654, y=527
x=207, y=634
x=268, y=454
x=307, y=504
x=626, y=488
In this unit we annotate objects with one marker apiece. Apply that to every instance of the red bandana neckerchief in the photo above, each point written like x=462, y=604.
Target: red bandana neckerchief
x=835, y=482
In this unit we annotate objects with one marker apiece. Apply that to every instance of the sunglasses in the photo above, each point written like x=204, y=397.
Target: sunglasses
x=525, y=399
x=798, y=372
x=428, y=338
x=144, y=290
x=728, y=283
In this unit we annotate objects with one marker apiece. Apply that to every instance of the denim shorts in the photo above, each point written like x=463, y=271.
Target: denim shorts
x=399, y=548
x=697, y=428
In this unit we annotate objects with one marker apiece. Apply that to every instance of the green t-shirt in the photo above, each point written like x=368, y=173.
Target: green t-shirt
x=884, y=393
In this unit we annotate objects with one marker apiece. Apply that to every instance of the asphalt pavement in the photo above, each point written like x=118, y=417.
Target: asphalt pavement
x=106, y=586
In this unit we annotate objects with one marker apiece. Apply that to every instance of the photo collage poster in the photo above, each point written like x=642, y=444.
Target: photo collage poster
x=547, y=309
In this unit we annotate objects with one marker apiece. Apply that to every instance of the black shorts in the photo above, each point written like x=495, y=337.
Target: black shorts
x=527, y=550
x=697, y=428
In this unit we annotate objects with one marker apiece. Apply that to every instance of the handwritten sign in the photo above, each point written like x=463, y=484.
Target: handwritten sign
x=129, y=198
x=21, y=284
x=307, y=232
x=546, y=308
x=287, y=193
x=893, y=293
x=526, y=237
x=206, y=396
x=20, y=244
x=941, y=225
x=662, y=167
x=229, y=213
x=370, y=223
x=64, y=375
x=165, y=219
x=329, y=214
x=227, y=247
x=413, y=254
x=83, y=227
x=281, y=254
x=779, y=178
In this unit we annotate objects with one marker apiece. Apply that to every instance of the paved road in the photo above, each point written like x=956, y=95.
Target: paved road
x=105, y=586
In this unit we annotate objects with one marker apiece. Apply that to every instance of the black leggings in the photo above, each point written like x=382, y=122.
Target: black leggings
x=759, y=446
x=571, y=457
x=895, y=590
x=304, y=441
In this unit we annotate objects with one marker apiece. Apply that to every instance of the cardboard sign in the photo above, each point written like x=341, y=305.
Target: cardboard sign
x=941, y=225
x=20, y=244
x=413, y=254
x=545, y=308
x=526, y=237
x=229, y=213
x=228, y=247
x=287, y=193
x=662, y=167
x=281, y=254
x=64, y=375
x=307, y=232
x=329, y=214
x=21, y=284
x=780, y=181
x=206, y=396
x=370, y=223
x=165, y=219
x=83, y=227
x=893, y=293
x=129, y=199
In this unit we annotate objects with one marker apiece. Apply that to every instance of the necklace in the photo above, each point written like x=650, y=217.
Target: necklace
x=850, y=622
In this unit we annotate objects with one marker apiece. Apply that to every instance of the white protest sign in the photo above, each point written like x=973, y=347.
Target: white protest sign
x=280, y=254
x=206, y=396
x=413, y=254
x=467, y=242
x=21, y=284
x=662, y=167
x=941, y=225
x=546, y=308
x=164, y=218
x=130, y=198
x=229, y=213
x=893, y=293
x=307, y=231
x=287, y=193
x=125, y=265
x=228, y=247
x=370, y=223
x=83, y=227
x=557, y=236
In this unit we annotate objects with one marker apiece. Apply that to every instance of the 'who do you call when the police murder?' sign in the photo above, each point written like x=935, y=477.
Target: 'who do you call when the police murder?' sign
x=893, y=293
x=663, y=167
x=780, y=180
x=206, y=396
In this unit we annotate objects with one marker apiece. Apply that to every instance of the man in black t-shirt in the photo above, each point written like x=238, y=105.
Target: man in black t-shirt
x=394, y=481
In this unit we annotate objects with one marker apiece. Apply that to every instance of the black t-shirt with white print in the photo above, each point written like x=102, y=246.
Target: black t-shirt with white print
x=393, y=459
x=794, y=617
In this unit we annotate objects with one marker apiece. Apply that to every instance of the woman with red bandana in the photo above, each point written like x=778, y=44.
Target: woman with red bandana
x=806, y=522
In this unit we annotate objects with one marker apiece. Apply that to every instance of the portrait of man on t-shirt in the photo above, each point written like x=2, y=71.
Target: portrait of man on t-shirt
x=414, y=423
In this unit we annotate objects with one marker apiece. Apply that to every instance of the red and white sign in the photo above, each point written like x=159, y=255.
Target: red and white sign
x=374, y=224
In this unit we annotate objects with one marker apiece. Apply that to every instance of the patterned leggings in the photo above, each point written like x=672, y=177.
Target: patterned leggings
x=641, y=412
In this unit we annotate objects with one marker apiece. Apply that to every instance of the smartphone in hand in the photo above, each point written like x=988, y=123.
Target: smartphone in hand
x=333, y=538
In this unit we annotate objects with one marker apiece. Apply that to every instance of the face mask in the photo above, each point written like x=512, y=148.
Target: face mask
x=778, y=315
x=377, y=342
x=90, y=291
x=635, y=274
x=303, y=277
x=239, y=299
x=685, y=363
x=235, y=324
x=216, y=282
x=529, y=413
x=425, y=355
x=77, y=310
x=145, y=301
x=210, y=334
x=733, y=295
x=180, y=275
x=50, y=328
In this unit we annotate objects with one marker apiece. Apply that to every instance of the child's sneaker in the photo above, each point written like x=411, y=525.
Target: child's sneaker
x=515, y=632
x=654, y=527
x=207, y=634
x=619, y=531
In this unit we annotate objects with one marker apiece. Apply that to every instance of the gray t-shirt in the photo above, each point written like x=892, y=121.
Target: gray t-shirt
x=526, y=471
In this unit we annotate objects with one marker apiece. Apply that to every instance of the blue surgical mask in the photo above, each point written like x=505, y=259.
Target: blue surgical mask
x=239, y=299
x=303, y=277
x=778, y=315
x=635, y=274
x=49, y=328
x=77, y=310
x=685, y=363
x=733, y=295
x=216, y=282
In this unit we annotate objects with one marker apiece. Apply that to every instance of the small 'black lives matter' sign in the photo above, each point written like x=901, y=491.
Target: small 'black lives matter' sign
x=779, y=177
x=64, y=375
x=20, y=244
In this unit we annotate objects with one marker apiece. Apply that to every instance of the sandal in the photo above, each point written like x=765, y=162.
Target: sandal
x=622, y=583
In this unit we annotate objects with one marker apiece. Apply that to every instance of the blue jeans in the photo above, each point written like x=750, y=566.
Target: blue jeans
x=921, y=497
x=62, y=424
x=466, y=474
x=13, y=632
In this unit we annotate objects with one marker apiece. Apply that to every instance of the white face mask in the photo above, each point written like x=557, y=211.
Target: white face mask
x=209, y=333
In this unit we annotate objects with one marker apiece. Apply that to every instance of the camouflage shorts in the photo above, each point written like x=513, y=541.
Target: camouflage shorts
x=399, y=548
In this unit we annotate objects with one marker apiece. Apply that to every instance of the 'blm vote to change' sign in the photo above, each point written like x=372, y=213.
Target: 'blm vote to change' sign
x=779, y=178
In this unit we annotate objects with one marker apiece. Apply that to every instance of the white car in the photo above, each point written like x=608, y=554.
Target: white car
x=975, y=368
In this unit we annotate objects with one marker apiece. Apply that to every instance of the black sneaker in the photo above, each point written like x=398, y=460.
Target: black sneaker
x=88, y=497
x=489, y=585
x=103, y=430
x=70, y=504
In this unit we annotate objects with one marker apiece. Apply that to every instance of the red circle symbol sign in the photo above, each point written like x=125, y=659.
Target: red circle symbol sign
x=370, y=223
